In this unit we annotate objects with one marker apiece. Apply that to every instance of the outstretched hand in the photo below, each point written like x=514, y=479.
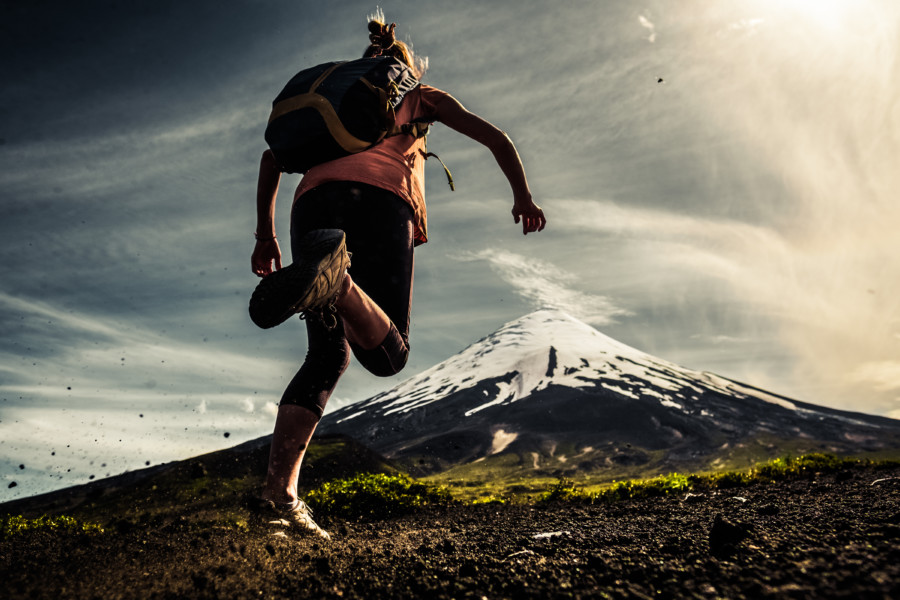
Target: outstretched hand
x=531, y=215
x=265, y=253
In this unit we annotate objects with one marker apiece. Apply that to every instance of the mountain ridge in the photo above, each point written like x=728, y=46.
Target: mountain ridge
x=547, y=380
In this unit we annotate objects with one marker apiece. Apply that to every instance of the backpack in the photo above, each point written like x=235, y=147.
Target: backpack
x=337, y=109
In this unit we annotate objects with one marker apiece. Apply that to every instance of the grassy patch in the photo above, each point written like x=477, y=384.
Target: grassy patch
x=11, y=525
x=491, y=500
x=375, y=495
x=779, y=469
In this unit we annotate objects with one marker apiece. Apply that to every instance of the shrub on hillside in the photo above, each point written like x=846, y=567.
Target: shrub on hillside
x=565, y=490
x=778, y=469
x=372, y=495
x=11, y=525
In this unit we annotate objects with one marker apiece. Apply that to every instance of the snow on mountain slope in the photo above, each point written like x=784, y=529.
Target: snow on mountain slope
x=548, y=381
x=549, y=347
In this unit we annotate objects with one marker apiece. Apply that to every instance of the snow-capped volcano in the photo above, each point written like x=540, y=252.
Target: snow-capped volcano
x=545, y=348
x=547, y=380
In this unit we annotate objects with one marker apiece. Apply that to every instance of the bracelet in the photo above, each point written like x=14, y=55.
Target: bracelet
x=259, y=239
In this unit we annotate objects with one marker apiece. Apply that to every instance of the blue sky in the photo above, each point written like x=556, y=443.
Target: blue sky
x=739, y=217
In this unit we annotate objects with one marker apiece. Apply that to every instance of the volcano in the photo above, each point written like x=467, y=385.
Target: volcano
x=551, y=394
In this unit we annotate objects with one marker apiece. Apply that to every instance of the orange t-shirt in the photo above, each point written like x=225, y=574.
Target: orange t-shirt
x=396, y=164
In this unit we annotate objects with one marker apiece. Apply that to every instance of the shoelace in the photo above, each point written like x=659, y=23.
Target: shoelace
x=329, y=311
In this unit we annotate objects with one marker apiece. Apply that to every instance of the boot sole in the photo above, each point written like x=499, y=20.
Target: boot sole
x=299, y=287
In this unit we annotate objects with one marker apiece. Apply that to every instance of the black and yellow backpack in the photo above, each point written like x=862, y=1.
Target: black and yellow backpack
x=337, y=109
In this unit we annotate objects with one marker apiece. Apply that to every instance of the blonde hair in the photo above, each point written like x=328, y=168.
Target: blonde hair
x=383, y=43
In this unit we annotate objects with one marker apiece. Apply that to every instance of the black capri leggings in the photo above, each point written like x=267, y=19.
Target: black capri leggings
x=379, y=228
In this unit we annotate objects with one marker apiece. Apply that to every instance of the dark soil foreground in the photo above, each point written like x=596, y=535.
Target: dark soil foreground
x=835, y=536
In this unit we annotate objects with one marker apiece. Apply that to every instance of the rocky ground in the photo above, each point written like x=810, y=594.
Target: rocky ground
x=835, y=536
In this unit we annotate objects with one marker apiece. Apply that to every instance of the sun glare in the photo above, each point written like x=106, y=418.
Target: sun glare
x=828, y=14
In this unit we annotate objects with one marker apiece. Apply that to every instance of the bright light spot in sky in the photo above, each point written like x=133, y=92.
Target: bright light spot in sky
x=828, y=14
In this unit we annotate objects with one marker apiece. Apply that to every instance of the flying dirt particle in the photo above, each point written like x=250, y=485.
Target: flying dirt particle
x=22, y=467
x=69, y=387
x=227, y=434
x=141, y=416
x=12, y=484
x=91, y=477
x=147, y=463
x=53, y=454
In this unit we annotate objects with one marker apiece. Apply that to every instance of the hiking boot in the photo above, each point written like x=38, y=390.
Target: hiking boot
x=297, y=517
x=310, y=284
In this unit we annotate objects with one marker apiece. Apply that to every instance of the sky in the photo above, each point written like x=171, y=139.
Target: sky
x=719, y=178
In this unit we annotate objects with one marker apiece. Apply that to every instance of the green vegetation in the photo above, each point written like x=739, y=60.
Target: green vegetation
x=490, y=500
x=11, y=525
x=375, y=495
x=214, y=497
x=779, y=469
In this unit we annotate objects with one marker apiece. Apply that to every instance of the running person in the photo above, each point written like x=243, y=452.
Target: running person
x=369, y=205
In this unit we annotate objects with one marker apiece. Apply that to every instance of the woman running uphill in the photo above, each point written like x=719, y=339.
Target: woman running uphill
x=370, y=205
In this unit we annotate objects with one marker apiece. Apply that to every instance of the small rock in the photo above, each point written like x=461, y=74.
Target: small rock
x=323, y=564
x=887, y=481
x=844, y=475
x=550, y=534
x=595, y=561
x=768, y=510
x=725, y=535
x=200, y=581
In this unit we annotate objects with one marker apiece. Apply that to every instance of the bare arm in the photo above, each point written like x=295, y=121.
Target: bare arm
x=267, y=250
x=454, y=115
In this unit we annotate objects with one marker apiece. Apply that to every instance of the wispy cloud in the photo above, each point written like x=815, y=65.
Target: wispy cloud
x=882, y=375
x=96, y=390
x=818, y=297
x=646, y=24
x=746, y=26
x=546, y=284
